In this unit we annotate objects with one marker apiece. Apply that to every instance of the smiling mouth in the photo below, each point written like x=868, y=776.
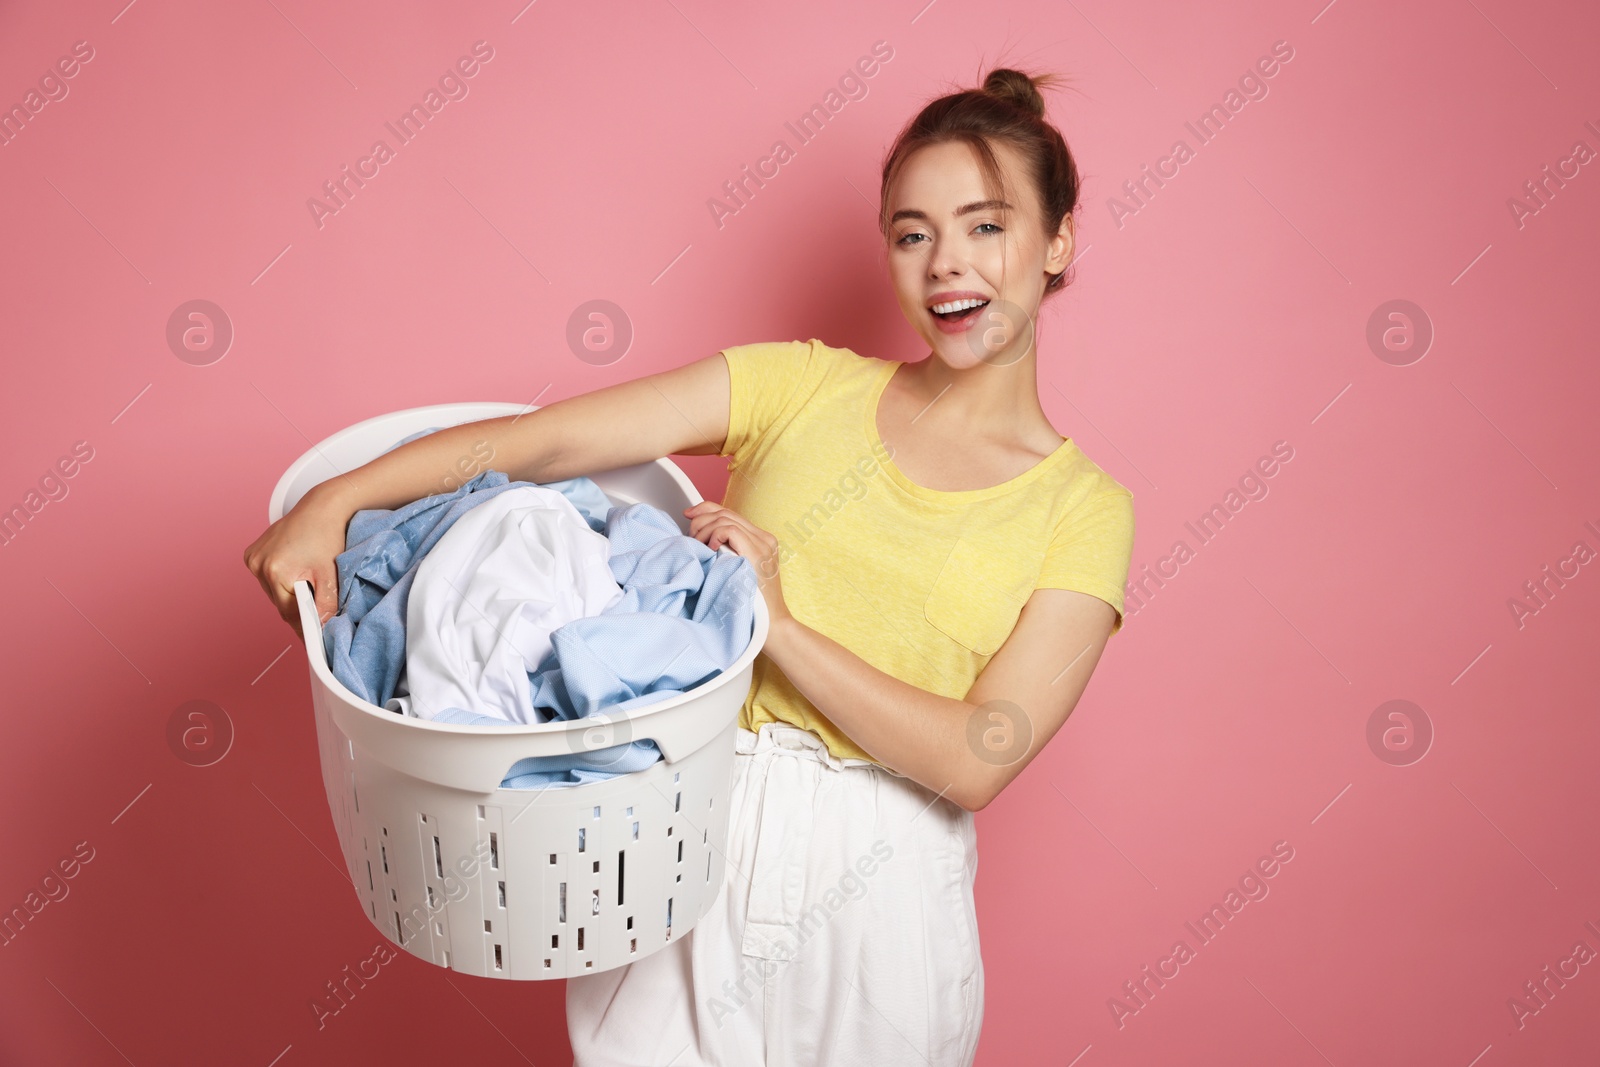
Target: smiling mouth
x=964, y=311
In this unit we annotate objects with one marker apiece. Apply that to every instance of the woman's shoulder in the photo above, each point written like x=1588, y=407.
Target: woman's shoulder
x=847, y=368
x=1083, y=483
x=811, y=358
x=840, y=356
x=840, y=352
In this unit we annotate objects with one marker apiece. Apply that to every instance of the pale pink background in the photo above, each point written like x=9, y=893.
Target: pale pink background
x=1227, y=314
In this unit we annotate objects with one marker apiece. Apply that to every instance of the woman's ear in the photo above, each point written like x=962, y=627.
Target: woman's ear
x=1062, y=247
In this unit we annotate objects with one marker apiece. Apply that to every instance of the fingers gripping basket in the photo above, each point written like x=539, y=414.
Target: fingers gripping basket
x=522, y=883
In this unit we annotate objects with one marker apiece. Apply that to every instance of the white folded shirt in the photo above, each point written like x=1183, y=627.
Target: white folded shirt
x=487, y=596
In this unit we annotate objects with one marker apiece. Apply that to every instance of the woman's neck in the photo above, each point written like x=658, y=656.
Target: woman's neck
x=999, y=402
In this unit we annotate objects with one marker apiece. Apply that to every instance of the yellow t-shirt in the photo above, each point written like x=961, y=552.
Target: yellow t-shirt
x=923, y=584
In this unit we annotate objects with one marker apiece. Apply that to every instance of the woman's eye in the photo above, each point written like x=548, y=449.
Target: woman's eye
x=907, y=238
x=991, y=225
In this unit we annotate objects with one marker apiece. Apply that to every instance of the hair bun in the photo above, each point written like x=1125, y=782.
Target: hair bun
x=1016, y=88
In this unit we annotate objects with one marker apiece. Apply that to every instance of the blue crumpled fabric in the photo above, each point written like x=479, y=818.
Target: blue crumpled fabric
x=686, y=614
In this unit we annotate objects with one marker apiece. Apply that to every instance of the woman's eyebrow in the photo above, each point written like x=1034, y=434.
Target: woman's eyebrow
x=964, y=209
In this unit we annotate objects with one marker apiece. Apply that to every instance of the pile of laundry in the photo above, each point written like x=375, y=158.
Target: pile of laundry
x=507, y=603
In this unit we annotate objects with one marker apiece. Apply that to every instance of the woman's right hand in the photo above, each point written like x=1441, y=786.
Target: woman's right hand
x=302, y=544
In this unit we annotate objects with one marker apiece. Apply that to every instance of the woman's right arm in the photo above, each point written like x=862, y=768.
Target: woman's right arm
x=683, y=411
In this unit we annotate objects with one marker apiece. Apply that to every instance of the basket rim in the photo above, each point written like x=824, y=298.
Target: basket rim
x=319, y=665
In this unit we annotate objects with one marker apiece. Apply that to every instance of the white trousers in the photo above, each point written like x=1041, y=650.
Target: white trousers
x=844, y=932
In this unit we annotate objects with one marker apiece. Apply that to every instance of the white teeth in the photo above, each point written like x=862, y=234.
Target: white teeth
x=957, y=305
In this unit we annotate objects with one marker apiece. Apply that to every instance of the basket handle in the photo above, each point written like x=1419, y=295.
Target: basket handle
x=306, y=601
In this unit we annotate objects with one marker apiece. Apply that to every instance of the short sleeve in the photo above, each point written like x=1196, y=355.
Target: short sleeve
x=763, y=379
x=1092, y=547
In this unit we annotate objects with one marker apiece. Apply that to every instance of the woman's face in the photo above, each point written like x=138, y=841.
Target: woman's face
x=949, y=242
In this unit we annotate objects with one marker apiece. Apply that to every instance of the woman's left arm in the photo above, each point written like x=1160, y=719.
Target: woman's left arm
x=966, y=750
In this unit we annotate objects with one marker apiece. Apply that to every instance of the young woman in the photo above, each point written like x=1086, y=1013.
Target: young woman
x=942, y=570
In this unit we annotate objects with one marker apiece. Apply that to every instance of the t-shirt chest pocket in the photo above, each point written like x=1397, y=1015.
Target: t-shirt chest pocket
x=980, y=590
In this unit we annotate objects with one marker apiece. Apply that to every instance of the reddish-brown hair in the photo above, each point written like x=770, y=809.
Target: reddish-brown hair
x=1007, y=108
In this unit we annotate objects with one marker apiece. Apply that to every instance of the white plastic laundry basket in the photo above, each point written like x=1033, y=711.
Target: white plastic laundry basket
x=522, y=883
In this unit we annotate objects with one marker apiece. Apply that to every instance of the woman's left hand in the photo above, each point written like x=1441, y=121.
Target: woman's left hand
x=716, y=526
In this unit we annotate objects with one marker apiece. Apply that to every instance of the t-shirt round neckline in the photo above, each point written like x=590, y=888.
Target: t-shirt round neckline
x=898, y=476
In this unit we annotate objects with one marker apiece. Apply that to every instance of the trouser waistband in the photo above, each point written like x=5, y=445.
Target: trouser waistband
x=786, y=739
